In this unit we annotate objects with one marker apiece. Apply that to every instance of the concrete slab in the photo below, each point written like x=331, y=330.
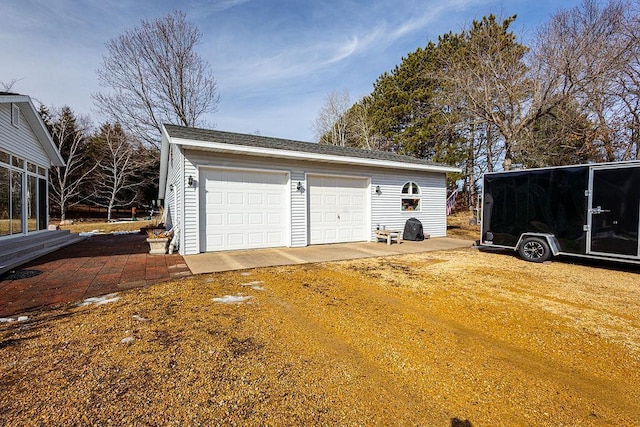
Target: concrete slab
x=215, y=262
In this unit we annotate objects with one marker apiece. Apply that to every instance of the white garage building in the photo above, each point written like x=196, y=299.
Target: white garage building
x=230, y=191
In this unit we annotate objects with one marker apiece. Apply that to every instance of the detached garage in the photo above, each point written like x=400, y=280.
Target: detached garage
x=229, y=191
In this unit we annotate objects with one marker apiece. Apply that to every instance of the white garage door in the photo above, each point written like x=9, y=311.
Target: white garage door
x=337, y=209
x=242, y=209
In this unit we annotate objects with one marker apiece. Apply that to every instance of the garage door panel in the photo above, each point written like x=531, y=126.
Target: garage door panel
x=214, y=197
x=274, y=237
x=274, y=199
x=214, y=239
x=255, y=219
x=255, y=238
x=215, y=219
x=243, y=209
x=254, y=198
x=235, y=239
x=235, y=219
x=235, y=198
x=274, y=218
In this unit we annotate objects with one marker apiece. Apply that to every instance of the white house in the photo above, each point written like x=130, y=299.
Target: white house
x=230, y=191
x=26, y=154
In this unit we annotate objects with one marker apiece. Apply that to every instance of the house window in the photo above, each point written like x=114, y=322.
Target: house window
x=410, y=197
x=15, y=115
x=23, y=196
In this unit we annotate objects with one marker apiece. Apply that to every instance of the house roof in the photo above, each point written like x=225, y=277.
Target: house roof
x=37, y=125
x=236, y=143
x=215, y=136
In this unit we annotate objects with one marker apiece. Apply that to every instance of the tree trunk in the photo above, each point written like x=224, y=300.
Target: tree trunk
x=63, y=210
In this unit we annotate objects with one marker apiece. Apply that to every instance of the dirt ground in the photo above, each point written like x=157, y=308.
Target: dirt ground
x=457, y=338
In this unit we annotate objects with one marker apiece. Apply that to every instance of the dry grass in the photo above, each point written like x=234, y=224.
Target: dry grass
x=442, y=338
x=459, y=225
x=108, y=227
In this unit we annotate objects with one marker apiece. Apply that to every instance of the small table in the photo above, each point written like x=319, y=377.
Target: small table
x=389, y=235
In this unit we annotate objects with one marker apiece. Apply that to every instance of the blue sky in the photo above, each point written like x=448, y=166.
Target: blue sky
x=275, y=61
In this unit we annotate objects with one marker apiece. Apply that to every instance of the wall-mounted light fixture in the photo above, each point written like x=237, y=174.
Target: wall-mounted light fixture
x=299, y=187
x=190, y=181
x=378, y=190
x=170, y=187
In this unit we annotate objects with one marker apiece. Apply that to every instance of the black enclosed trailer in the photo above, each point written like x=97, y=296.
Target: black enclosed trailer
x=588, y=211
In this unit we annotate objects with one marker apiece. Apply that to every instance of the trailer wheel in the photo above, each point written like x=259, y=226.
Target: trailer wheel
x=534, y=249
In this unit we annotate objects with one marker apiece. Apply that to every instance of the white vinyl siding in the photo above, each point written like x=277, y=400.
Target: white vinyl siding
x=20, y=141
x=190, y=221
x=433, y=197
x=173, y=203
x=298, y=209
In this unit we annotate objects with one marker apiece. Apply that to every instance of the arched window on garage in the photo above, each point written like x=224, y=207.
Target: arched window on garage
x=411, y=197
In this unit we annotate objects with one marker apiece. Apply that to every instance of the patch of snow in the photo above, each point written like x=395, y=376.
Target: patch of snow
x=256, y=282
x=11, y=319
x=117, y=233
x=105, y=299
x=127, y=340
x=245, y=273
x=139, y=318
x=255, y=285
x=88, y=233
x=232, y=299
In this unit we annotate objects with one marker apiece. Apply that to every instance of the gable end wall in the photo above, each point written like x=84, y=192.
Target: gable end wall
x=20, y=141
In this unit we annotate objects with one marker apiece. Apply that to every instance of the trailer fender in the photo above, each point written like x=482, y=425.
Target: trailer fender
x=549, y=238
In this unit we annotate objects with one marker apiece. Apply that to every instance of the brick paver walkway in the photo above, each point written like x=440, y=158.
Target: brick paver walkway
x=99, y=265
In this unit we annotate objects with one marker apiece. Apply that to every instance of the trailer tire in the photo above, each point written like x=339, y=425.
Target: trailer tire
x=534, y=249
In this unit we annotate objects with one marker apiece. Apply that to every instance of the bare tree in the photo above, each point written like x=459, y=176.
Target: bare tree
x=156, y=76
x=629, y=84
x=359, y=125
x=69, y=133
x=583, y=55
x=332, y=122
x=8, y=86
x=116, y=177
x=489, y=80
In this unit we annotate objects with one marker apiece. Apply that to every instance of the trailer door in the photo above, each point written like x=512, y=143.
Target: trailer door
x=614, y=211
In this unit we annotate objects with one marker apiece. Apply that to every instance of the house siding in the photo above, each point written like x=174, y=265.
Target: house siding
x=14, y=139
x=173, y=200
x=385, y=209
x=191, y=235
x=298, y=209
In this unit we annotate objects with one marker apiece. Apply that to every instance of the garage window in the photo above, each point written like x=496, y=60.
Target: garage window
x=410, y=197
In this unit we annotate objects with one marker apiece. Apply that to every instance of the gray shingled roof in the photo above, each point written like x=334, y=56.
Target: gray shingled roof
x=287, y=145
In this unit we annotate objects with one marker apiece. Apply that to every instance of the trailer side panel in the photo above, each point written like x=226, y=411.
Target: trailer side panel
x=549, y=201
